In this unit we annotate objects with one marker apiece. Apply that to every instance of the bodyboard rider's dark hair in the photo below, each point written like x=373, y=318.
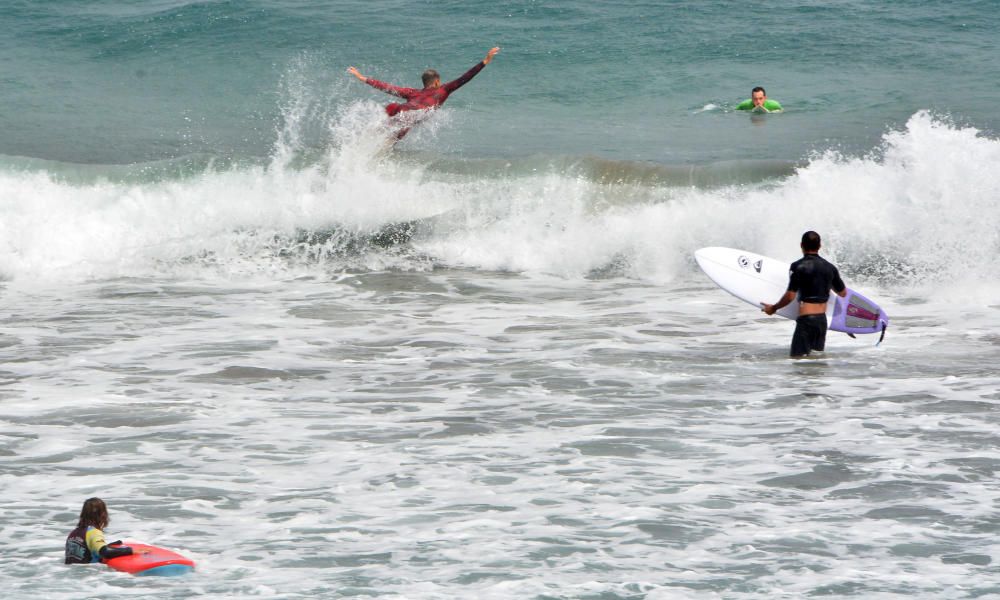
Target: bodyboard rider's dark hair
x=758, y=89
x=810, y=241
x=94, y=514
x=429, y=76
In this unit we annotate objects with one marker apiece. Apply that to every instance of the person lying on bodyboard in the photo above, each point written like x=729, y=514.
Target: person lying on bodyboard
x=433, y=94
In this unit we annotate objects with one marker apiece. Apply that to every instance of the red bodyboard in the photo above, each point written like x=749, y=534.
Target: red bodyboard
x=151, y=560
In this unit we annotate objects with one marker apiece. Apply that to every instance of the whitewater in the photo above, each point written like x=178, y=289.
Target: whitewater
x=533, y=392
x=913, y=212
x=484, y=363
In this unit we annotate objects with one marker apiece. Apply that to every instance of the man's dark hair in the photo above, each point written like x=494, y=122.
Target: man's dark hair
x=810, y=241
x=758, y=89
x=429, y=76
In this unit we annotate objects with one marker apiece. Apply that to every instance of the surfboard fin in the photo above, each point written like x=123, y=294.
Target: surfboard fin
x=851, y=335
x=882, y=337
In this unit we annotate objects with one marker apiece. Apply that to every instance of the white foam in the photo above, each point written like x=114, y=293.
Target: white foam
x=475, y=434
x=916, y=212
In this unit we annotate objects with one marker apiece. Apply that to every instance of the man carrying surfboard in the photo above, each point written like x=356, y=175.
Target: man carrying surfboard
x=810, y=278
x=433, y=94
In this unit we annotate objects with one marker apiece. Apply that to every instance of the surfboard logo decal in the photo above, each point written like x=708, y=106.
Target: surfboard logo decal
x=757, y=266
x=744, y=262
x=861, y=313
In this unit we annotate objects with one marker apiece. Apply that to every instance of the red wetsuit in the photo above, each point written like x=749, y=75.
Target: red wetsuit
x=424, y=98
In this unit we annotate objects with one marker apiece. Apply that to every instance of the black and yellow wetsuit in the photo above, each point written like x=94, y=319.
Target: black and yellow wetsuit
x=87, y=545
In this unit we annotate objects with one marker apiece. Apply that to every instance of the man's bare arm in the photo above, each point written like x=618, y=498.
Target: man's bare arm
x=782, y=303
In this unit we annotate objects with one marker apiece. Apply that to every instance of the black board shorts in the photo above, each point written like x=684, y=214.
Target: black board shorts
x=810, y=334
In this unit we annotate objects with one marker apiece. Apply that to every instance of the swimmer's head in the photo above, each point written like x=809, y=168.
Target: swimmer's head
x=758, y=96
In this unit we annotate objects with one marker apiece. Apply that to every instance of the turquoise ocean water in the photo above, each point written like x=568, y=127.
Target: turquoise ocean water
x=484, y=364
x=114, y=82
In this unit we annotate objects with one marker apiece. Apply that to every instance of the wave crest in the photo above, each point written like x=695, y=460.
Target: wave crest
x=913, y=212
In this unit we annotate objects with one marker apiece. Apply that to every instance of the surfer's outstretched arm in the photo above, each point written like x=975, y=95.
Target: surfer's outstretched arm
x=354, y=71
x=395, y=90
x=451, y=86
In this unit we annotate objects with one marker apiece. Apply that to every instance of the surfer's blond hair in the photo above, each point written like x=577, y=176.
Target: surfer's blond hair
x=429, y=76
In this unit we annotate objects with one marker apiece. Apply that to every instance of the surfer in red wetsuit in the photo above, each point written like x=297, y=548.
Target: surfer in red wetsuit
x=433, y=94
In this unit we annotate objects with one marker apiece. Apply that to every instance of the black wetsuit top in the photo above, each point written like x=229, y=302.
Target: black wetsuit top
x=812, y=277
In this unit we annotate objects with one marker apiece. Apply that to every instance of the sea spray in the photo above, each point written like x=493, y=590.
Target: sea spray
x=911, y=213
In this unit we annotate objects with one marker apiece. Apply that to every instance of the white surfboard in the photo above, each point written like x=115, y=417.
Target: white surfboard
x=756, y=279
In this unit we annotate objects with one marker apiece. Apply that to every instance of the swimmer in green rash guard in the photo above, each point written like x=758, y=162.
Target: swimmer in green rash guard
x=86, y=544
x=758, y=102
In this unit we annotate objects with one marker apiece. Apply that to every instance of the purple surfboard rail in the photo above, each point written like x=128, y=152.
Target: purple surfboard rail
x=855, y=313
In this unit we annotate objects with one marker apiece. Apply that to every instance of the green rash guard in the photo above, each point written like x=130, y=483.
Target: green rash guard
x=769, y=105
